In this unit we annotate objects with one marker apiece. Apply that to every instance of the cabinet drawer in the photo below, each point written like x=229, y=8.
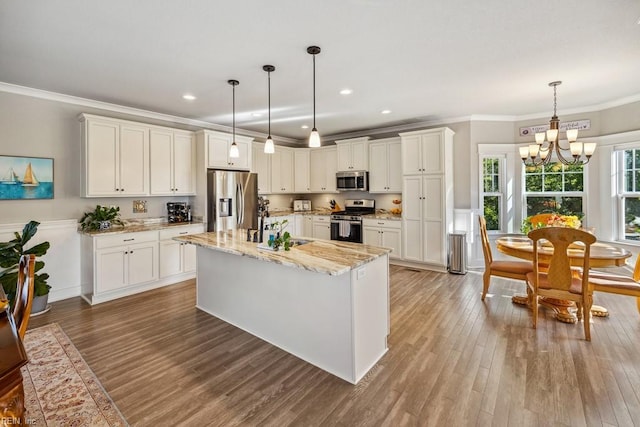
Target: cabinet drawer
x=322, y=218
x=176, y=231
x=126, y=239
x=386, y=223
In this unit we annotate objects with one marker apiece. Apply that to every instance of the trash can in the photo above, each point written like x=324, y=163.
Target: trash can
x=457, y=252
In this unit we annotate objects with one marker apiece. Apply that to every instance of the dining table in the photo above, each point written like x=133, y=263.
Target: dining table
x=602, y=255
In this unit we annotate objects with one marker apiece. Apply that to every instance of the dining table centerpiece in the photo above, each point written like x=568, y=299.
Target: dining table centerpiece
x=549, y=220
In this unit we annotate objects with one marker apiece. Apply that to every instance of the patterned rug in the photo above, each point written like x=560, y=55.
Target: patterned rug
x=60, y=389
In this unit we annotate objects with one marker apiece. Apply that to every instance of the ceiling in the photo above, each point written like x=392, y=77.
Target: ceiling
x=424, y=60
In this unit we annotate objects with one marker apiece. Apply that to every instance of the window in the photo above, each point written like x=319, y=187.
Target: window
x=554, y=188
x=629, y=192
x=492, y=191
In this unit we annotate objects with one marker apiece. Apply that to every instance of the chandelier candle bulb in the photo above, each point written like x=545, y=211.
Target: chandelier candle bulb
x=524, y=152
x=533, y=150
x=540, y=138
x=576, y=148
x=572, y=135
x=589, y=148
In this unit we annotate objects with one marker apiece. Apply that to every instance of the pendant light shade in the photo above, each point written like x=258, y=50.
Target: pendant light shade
x=314, y=137
x=269, y=147
x=234, y=152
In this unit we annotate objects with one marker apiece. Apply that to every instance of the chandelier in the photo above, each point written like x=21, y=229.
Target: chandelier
x=540, y=153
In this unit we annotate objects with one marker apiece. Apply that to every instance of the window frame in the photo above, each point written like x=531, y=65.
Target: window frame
x=502, y=196
x=621, y=192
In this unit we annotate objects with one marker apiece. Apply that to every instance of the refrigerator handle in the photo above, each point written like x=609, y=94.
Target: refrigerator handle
x=240, y=203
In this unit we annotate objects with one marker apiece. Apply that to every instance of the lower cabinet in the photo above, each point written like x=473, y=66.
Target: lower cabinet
x=307, y=225
x=120, y=264
x=322, y=227
x=385, y=233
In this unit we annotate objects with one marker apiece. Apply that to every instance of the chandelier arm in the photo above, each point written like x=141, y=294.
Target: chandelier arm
x=564, y=160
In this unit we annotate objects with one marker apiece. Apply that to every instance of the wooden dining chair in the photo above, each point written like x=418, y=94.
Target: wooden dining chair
x=559, y=280
x=24, y=293
x=509, y=269
x=617, y=283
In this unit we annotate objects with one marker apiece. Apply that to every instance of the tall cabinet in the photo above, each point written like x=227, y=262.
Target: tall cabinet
x=427, y=195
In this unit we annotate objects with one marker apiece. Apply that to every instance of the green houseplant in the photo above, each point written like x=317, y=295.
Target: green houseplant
x=101, y=218
x=280, y=238
x=10, y=253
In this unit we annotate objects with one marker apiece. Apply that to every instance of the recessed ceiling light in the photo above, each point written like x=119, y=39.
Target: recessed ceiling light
x=346, y=92
x=256, y=114
x=304, y=127
x=188, y=97
x=385, y=111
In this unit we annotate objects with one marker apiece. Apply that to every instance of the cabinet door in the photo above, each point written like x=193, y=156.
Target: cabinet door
x=318, y=175
x=301, y=179
x=188, y=258
x=134, y=160
x=170, y=258
x=434, y=248
x=307, y=229
x=344, y=162
x=378, y=168
x=394, y=171
x=433, y=153
x=110, y=269
x=282, y=171
x=371, y=236
x=102, y=157
x=432, y=191
x=184, y=159
x=244, y=161
x=322, y=230
x=218, y=151
x=261, y=164
x=392, y=238
x=411, y=155
x=360, y=156
x=161, y=162
x=331, y=165
x=142, y=262
x=412, y=218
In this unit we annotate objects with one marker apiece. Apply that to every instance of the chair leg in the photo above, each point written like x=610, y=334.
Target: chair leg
x=638, y=302
x=534, y=309
x=486, y=278
x=586, y=315
x=579, y=311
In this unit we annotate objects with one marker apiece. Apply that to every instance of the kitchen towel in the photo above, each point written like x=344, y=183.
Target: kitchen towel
x=345, y=229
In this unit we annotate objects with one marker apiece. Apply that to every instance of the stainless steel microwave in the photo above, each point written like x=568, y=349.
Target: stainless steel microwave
x=352, y=181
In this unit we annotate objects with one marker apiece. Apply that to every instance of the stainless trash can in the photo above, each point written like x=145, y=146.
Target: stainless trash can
x=457, y=252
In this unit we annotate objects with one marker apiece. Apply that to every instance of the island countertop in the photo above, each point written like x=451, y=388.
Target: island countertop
x=321, y=256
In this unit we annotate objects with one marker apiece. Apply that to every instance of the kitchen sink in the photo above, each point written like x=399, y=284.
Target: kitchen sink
x=298, y=242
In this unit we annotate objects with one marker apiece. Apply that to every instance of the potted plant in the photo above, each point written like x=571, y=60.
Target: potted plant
x=101, y=218
x=10, y=253
x=280, y=238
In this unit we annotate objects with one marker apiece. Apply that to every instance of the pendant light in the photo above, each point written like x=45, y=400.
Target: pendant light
x=314, y=137
x=269, y=147
x=234, y=152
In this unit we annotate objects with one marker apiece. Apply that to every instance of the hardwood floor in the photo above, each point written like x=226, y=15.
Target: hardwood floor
x=452, y=360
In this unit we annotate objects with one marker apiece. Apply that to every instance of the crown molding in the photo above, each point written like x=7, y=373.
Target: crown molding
x=107, y=106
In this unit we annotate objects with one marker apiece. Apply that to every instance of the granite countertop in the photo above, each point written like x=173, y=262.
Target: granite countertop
x=133, y=226
x=380, y=214
x=321, y=256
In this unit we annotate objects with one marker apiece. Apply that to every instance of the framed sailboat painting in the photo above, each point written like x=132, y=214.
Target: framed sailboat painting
x=26, y=178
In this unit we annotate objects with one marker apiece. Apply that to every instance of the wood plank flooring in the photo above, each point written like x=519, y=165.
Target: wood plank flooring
x=453, y=360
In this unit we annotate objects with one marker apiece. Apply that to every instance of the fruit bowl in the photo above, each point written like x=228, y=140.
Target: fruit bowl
x=396, y=201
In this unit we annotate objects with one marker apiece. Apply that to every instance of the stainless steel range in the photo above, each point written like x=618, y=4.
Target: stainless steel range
x=347, y=224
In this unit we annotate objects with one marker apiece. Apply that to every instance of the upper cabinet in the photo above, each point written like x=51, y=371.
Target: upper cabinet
x=423, y=152
x=385, y=166
x=301, y=170
x=353, y=154
x=172, y=162
x=323, y=163
x=282, y=170
x=217, y=148
x=115, y=157
x=261, y=164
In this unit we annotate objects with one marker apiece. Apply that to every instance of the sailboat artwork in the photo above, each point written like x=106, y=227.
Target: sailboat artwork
x=10, y=178
x=26, y=178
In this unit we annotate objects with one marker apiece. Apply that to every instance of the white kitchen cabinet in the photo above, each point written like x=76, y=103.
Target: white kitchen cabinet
x=261, y=164
x=177, y=257
x=217, y=149
x=427, y=195
x=385, y=166
x=323, y=169
x=385, y=233
x=115, y=157
x=322, y=227
x=307, y=225
x=301, y=170
x=353, y=154
x=282, y=174
x=172, y=162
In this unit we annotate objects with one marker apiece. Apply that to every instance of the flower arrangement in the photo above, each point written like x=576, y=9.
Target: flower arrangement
x=550, y=220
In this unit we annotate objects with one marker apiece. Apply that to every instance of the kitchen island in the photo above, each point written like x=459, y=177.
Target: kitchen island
x=326, y=302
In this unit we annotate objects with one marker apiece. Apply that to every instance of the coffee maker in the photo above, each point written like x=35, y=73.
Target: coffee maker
x=178, y=212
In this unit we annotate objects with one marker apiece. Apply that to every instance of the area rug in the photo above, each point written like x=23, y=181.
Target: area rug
x=60, y=389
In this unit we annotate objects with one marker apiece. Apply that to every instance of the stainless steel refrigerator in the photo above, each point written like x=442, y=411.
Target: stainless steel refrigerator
x=232, y=200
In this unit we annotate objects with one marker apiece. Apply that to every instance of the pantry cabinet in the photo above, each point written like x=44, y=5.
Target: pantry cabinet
x=384, y=233
x=323, y=169
x=385, y=166
x=172, y=162
x=261, y=164
x=115, y=157
x=353, y=154
x=427, y=195
x=218, y=145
